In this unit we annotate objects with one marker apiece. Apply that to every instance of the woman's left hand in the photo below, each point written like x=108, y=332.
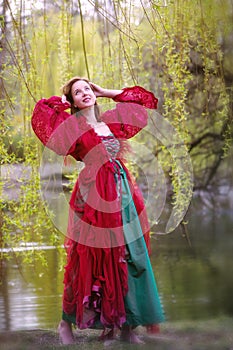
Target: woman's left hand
x=98, y=90
x=101, y=92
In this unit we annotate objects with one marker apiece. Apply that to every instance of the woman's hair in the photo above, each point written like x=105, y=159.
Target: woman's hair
x=66, y=90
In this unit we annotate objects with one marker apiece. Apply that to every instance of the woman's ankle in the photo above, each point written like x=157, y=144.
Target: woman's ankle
x=65, y=332
x=128, y=335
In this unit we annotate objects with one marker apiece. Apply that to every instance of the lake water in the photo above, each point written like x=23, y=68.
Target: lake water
x=194, y=282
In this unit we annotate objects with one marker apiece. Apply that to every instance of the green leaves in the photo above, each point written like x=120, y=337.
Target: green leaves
x=177, y=49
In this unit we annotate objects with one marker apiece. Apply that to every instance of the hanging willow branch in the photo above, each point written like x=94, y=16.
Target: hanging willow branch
x=106, y=15
x=14, y=55
x=20, y=35
x=128, y=60
x=20, y=71
x=164, y=48
x=83, y=39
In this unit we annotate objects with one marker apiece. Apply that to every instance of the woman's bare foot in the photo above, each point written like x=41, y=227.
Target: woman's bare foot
x=107, y=335
x=65, y=333
x=129, y=336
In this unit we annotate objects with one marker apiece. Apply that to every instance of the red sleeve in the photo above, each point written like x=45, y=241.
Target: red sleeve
x=139, y=95
x=126, y=120
x=56, y=129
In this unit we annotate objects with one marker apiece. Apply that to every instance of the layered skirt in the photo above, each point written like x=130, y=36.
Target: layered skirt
x=107, y=287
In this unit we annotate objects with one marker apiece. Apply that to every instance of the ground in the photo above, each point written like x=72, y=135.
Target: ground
x=190, y=335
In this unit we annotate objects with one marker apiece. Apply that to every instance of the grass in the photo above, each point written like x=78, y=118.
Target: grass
x=191, y=335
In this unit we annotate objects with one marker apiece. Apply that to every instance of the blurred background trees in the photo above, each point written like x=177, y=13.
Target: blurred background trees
x=180, y=50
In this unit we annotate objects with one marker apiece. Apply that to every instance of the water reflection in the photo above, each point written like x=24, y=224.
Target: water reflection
x=194, y=282
x=31, y=297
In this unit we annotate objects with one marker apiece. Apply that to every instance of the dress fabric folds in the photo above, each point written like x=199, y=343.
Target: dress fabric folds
x=108, y=278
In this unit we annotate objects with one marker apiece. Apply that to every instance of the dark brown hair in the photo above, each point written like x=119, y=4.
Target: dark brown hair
x=66, y=90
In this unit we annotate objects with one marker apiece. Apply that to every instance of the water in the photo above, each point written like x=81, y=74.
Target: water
x=194, y=282
x=30, y=298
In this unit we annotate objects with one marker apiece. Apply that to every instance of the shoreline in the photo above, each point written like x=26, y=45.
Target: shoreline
x=215, y=334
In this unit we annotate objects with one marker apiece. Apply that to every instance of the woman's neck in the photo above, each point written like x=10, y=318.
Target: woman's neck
x=89, y=114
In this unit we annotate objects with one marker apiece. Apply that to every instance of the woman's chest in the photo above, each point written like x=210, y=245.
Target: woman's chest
x=101, y=129
x=94, y=147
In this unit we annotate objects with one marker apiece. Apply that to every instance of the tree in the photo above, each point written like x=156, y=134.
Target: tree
x=183, y=58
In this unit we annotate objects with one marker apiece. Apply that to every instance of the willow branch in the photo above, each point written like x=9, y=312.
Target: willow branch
x=203, y=137
x=14, y=58
x=148, y=18
x=83, y=39
x=24, y=46
x=106, y=16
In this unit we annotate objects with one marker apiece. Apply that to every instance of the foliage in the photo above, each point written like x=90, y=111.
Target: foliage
x=182, y=57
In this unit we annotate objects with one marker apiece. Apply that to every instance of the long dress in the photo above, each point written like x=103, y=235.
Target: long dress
x=108, y=280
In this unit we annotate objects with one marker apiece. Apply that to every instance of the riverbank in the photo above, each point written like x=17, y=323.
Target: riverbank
x=191, y=335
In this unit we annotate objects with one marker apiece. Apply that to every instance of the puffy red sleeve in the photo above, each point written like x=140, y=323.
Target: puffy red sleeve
x=139, y=95
x=126, y=120
x=129, y=118
x=56, y=129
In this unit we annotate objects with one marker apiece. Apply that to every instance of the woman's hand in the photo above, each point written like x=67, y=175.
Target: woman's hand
x=101, y=92
x=98, y=90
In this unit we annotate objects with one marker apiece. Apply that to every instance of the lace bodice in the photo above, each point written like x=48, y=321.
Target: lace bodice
x=111, y=144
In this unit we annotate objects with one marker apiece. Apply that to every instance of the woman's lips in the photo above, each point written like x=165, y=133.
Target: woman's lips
x=86, y=99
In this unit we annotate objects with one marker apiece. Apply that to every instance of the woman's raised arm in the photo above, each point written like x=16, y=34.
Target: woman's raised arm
x=139, y=95
x=56, y=129
x=101, y=92
x=135, y=94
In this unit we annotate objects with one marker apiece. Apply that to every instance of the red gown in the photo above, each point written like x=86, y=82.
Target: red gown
x=96, y=274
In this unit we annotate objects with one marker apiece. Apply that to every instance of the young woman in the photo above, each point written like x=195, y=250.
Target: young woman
x=108, y=282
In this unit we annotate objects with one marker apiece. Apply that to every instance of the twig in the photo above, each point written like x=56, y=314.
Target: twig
x=83, y=39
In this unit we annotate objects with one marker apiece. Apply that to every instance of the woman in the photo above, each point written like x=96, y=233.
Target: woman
x=108, y=282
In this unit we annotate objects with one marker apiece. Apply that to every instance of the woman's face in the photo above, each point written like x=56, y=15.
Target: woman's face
x=82, y=94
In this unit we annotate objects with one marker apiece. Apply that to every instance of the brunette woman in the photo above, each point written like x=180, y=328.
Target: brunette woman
x=108, y=282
